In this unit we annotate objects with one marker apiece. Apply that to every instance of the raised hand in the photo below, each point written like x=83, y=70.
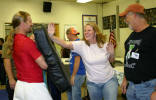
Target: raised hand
x=12, y=83
x=51, y=29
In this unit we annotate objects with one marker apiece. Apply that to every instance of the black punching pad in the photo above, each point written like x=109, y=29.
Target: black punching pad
x=47, y=48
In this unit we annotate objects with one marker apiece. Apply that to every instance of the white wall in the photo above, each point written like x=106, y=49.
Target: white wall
x=69, y=13
x=62, y=13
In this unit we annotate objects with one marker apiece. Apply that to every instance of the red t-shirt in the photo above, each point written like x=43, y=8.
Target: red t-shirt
x=25, y=53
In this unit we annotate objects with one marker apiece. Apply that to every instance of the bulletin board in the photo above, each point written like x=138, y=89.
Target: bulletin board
x=109, y=22
x=151, y=16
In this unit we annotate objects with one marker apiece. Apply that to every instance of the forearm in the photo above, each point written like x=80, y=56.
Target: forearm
x=124, y=79
x=8, y=69
x=41, y=62
x=124, y=85
x=64, y=44
x=10, y=75
x=111, y=57
x=0, y=51
x=76, y=65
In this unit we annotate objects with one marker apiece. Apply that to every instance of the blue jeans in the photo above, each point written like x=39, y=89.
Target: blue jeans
x=140, y=91
x=108, y=90
x=75, y=92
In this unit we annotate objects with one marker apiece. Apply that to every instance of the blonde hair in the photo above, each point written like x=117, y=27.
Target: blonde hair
x=16, y=21
x=100, y=38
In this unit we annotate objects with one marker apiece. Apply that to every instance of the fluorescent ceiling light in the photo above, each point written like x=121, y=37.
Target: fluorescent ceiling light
x=83, y=1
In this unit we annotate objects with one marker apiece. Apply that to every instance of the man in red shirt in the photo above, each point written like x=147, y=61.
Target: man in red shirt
x=28, y=60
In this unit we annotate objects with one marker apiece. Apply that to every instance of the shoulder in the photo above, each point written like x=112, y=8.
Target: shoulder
x=152, y=29
x=28, y=42
x=78, y=46
x=105, y=44
x=150, y=33
x=75, y=54
x=78, y=42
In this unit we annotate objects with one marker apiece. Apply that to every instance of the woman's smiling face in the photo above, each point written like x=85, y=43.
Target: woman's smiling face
x=89, y=33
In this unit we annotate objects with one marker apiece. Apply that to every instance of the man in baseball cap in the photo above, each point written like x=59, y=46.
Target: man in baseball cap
x=130, y=15
x=73, y=31
x=140, y=54
x=77, y=68
x=136, y=8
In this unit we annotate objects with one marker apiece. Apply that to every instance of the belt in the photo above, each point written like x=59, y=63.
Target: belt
x=142, y=81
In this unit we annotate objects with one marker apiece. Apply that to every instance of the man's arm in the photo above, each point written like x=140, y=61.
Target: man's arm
x=124, y=85
x=75, y=69
x=41, y=62
x=111, y=58
x=8, y=69
x=0, y=51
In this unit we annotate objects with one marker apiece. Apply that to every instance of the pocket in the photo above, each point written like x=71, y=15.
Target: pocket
x=115, y=77
x=150, y=84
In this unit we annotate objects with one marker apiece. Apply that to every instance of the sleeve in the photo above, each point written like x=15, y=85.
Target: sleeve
x=77, y=46
x=105, y=46
x=32, y=50
x=105, y=50
x=4, y=52
x=75, y=54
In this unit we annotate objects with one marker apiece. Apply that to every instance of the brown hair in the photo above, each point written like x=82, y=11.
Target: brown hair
x=100, y=38
x=16, y=21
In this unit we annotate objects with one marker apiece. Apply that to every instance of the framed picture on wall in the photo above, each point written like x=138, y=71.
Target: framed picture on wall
x=88, y=19
x=109, y=22
x=106, y=22
x=122, y=23
x=151, y=16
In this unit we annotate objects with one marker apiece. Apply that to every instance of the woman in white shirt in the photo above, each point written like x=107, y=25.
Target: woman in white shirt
x=96, y=55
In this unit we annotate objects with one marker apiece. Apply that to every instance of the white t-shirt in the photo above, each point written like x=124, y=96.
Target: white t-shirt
x=95, y=59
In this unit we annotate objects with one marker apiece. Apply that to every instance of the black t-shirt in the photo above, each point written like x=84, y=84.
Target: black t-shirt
x=140, y=55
